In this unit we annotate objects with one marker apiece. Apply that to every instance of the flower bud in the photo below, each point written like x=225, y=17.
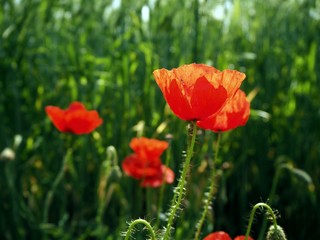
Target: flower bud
x=7, y=154
x=115, y=173
x=276, y=233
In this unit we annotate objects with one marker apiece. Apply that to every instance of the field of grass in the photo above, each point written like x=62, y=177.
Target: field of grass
x=103, y=53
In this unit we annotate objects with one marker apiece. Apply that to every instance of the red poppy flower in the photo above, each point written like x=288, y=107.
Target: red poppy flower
x=145, y=164
x=76, y=119
x=197, y=91
x=234, y=114
x=218, y=236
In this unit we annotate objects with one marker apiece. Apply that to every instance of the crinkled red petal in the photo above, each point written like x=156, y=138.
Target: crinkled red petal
x=234, y=114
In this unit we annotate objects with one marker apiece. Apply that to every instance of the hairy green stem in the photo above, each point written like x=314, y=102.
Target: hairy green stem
x=179, y=191
x=258, y=205
x=208, y=195
x=140, y=221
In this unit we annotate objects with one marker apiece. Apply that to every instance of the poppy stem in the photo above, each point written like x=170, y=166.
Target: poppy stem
x=54, y=186
x=253, y=211
x=208, y=195
x=140, y=221
x=179, y=191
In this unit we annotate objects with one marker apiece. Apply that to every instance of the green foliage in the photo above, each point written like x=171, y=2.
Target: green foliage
x=55, y=52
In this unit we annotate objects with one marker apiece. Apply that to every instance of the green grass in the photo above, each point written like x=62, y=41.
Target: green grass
x=55, y=52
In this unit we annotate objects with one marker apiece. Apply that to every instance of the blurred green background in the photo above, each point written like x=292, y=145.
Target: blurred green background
x=103, y=53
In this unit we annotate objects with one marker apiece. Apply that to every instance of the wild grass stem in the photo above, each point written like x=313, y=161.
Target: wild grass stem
x=208, y=195
x=270, y=200
x=159, y=209
x=57, y=181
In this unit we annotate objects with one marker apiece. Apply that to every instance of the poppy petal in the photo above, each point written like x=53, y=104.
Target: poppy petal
x=146, y=148
x=76, y=106
x=56, y=115
x=130, y=166
x=206, y=99
x=191, y=72
x=234, y=114
x=220, y=235
x=173, y=94
x=163, y=79
x=168, y=174
x=164, y=175
x=242, y=238
x=231, y=80
x=135, y=167
x=178, y=101
x=151, y=182
x=82, y=122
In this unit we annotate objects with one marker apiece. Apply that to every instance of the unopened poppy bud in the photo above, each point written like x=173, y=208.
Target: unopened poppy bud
x=276, y=233
x=116, y=173
x=7, y=154
x=17, y=141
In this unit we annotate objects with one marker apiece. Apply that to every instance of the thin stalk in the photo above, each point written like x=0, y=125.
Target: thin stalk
x=196, y=31
x=109, y=167
x=162, y=191
x=208, y=195
x=140, y=221
x=253, y=211
x=54, y=186
x=179, y=191
x=270, y=199
x=148, y=199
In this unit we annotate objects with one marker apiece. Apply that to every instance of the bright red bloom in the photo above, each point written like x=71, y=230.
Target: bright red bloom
x=234, y=114
x=218, y=236
x=197, y=91
x=145, y=164
x=76, y=119
x=243, y=238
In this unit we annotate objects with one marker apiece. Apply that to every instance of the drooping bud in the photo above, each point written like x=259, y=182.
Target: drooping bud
x=276, y=233
x=7, y=155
